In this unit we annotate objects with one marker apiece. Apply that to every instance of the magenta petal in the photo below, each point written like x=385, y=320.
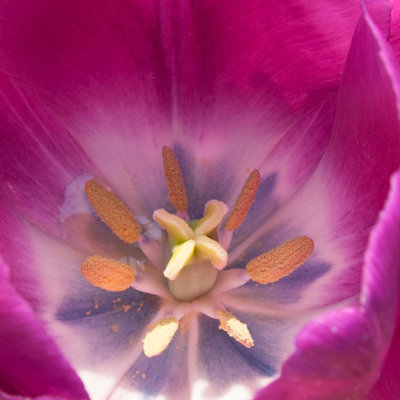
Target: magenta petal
x=365, y=145
x=41, y=166
x=212, y=48
x=30, y=364
x=180, y=48
x=336, y=358
x=350, y=185
x=6, y=396
x=388, y=385
x=380, y=293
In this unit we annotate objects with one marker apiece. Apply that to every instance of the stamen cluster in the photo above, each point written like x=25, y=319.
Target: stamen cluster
x=198, y=251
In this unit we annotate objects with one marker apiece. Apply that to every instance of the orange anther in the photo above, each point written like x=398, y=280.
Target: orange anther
x=280, y=261
x=176, y=186
x=107, y=273
x=112, y=211
x=244, y=201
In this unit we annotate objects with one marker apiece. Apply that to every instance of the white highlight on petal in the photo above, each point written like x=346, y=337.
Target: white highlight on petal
x=200, y=391
x=102, y=380
x=91, y=381
x=121, y=393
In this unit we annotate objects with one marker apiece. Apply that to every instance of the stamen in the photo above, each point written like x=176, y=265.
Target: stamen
x=213, y=213
x=244, y=201
x=211, y=250
x=181, y=255
x=280, y=261
x=112, y=211
x=160, y=336
x=178, y=229
x=235, y=328
x=107, y=273
x=176, y=186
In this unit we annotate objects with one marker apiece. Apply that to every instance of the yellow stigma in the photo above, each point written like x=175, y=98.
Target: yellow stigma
x=178, y=230
x=181, y=254
x=214, y=211
x=235, y=328
x=112, y=211
x=189, y=241
x=160, y=336
x=210, y=249
x=176, y=186
x=280, y=261
x=107, y=273
x=244, y=201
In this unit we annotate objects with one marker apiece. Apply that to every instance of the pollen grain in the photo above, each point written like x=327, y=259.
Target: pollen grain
x=235, y=328
x=112, y=211
x=108, y=274
x=281, y=261
x=160, y=336
x=244, y=201
x=176, y=186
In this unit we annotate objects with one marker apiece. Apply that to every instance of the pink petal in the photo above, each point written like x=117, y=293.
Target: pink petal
x=341, y=200
x=287, y=167
x=388, y=385
x=380, y=293
x=122, y=123
x=93, y=329
x=44, y=170
x=211, y=48
x=340, y=353
x=6, y=396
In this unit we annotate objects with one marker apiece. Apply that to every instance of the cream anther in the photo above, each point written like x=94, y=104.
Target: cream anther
x=160, y=336
x=235, y=328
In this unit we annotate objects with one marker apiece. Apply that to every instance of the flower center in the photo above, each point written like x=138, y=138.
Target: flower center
x=197, y=256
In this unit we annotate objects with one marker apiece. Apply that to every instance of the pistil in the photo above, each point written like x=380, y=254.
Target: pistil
x=189, y=241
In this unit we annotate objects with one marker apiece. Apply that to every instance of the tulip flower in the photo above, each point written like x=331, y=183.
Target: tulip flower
x=199, y=200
